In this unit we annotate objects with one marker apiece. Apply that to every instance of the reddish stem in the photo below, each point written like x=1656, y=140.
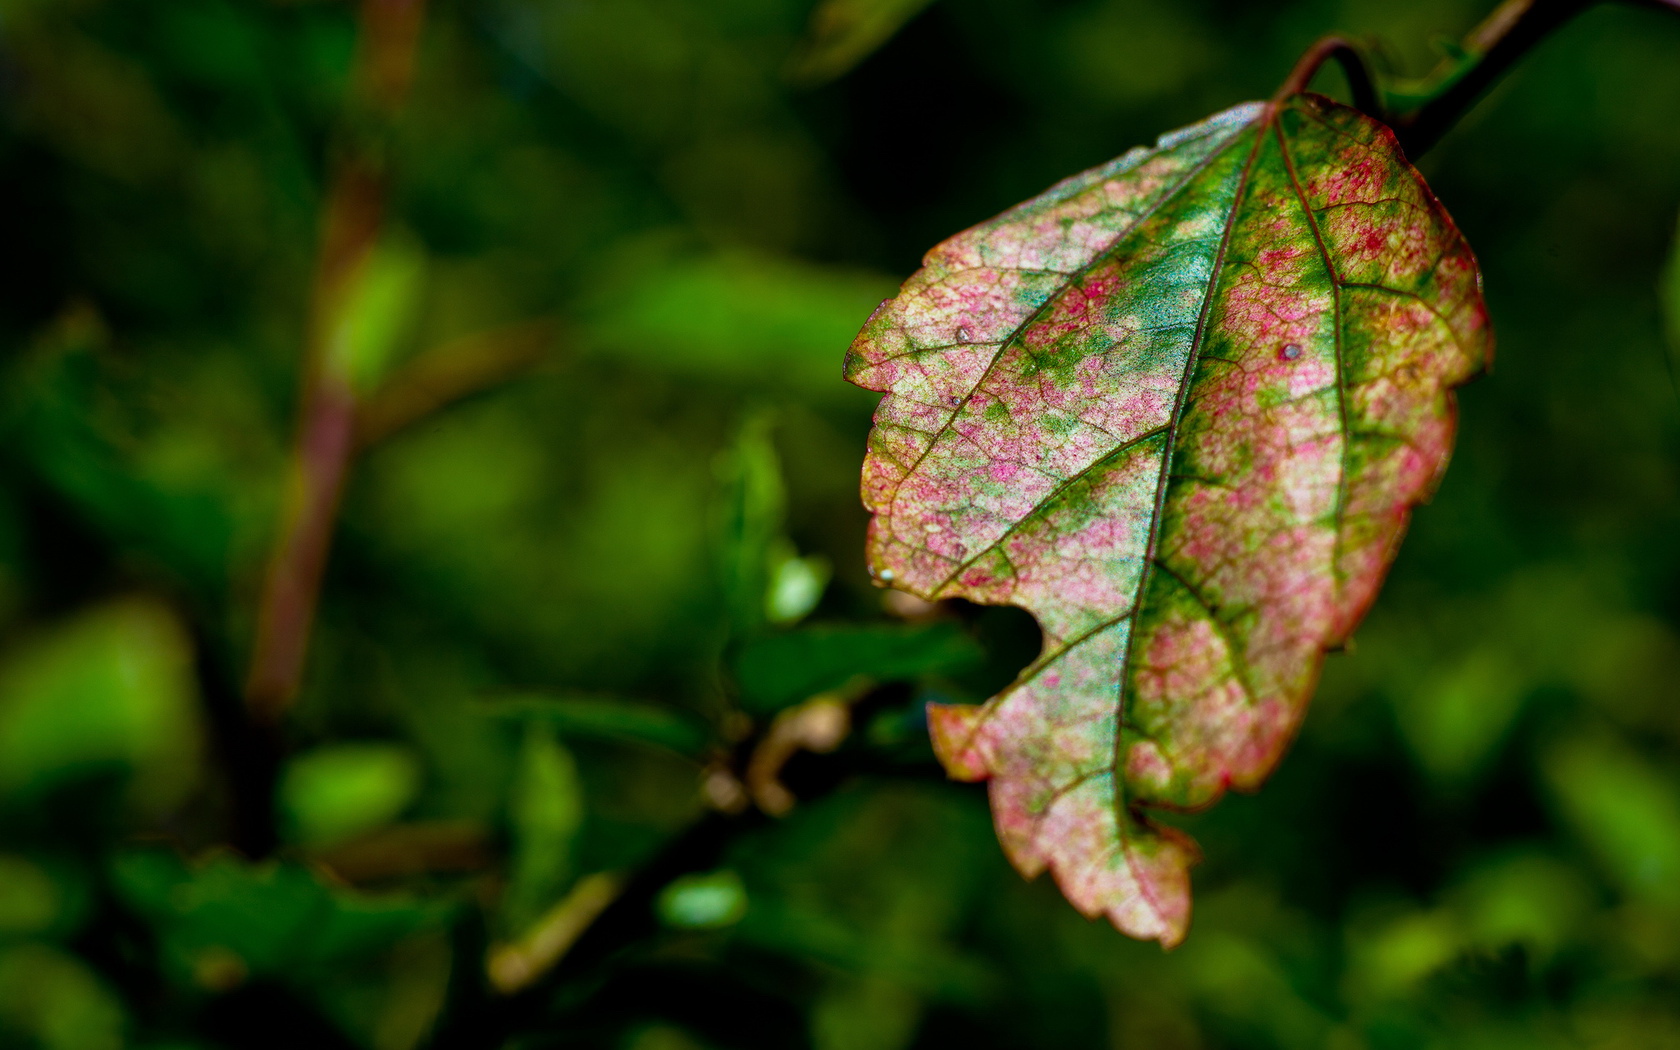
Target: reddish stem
x=1347, y=56
x=293, y=586
x=320, y=459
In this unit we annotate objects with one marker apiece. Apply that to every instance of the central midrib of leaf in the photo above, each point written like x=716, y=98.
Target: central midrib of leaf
x=1174, y=419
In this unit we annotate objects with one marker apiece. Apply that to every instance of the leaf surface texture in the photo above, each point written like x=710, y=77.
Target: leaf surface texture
x=1178, y=407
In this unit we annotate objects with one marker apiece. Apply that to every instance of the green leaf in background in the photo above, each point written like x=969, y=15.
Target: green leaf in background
x=865, y=1013
x=545, y=814
x=1456, y=717
x=371, y=963
x=820, y=890
x=845, y=32
x=109, y=693
x=334, y=792
x=1523, y=897
x=1668, y=295
x=754, y=506
x=663, y=1037
x=224, y=920
x=40, y=898
x=1392, y=954
x=29, y=897
x=1624, y=809
x=758, y=320
x=51, y=1000
x=706, y=901
x=765, y=580
x=172, y=493
x=380, y=305
x=796, y=585
x=608, y=719
x=779, y=670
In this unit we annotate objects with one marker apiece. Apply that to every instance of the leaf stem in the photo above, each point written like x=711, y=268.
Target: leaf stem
x=1363, y=88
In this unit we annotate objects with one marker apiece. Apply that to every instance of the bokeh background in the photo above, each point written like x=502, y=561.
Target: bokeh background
x=600, y=544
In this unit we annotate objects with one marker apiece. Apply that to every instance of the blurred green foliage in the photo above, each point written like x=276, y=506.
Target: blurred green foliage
x=569, y=585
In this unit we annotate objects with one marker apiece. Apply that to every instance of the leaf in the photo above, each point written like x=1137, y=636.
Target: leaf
x=545, y=814
x=780, y=670
x=1669, y=296
x=704, y=901
x=753, y=513
x=610, y=719
x=269, y=920
x=765, y=581
x=374, y=312
x=109, y=693
x=1624, y=808
x=1177, y=407
x=845, y=32
x=758, y=321
x=50, y=998
x=335, y=792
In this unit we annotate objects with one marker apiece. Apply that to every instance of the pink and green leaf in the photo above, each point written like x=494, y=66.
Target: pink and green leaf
x=1178, y=407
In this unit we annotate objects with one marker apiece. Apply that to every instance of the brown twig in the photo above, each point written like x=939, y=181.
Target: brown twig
x=457, y=369
x=320, y=460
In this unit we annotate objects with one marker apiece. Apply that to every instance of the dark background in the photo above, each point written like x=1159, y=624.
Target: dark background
x=576, y=578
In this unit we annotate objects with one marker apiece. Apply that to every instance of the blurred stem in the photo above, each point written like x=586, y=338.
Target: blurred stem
x=1421, y=112
x=1514, y=29
x=1509, y=33
x=454, y=370
x=389, y=32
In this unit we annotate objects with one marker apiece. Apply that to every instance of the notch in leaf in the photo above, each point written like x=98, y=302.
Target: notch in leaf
x=1178, y=407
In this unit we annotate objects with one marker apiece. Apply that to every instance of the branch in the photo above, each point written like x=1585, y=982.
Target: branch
x=457, y=369
x=1512, y=31
x=320, y=459
x=483, y=1017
